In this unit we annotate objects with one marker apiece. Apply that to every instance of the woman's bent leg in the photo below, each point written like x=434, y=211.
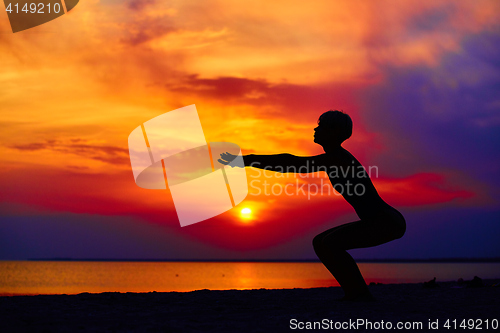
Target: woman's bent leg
x=331, y=246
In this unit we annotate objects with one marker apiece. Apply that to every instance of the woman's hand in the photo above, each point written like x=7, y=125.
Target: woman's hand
x=226, y=158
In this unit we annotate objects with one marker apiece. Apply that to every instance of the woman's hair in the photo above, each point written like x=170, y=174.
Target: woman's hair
x=338, y=121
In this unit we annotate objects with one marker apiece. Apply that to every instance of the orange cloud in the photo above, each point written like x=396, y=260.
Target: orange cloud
x=108, y=154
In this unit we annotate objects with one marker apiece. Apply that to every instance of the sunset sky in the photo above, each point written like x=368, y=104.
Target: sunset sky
x=420, y=79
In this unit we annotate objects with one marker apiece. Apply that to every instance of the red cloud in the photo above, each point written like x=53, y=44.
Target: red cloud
x=420, y=189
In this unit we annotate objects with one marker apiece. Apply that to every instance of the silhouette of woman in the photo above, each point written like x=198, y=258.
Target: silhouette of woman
x=379, y=223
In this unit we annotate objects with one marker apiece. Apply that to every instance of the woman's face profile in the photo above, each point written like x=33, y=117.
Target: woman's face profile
x=323, y=134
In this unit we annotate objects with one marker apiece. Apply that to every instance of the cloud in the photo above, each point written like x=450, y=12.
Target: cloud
x=108, y=154
x=145, y=29
x=34, y=146
x=422, y=189
x=139, y=5
x=442, y=118
x=284, y=99
x=222, y=87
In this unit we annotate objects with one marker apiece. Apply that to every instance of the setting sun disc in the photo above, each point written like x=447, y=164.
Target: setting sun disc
x=246, y=211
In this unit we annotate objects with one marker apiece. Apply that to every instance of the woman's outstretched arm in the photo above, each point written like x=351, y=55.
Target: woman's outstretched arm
x=284, y=163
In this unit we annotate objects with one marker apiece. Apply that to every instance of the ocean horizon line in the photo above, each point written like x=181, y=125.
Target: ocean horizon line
x=361, y=260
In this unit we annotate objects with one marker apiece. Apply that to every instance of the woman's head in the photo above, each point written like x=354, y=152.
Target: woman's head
x=334, y=127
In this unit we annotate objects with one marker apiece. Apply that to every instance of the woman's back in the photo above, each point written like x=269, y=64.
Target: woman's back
x=350, y=179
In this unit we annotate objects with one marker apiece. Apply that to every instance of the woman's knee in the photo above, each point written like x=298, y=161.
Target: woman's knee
x=318, y=243
x=397, y=230
x=399, y=224
x=401, y=232
x=331, y=245
x=321, y=244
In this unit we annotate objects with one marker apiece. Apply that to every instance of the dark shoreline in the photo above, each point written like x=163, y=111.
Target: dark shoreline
x=258, y=310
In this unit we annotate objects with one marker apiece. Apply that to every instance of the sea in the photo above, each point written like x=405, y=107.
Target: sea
x=74, y=277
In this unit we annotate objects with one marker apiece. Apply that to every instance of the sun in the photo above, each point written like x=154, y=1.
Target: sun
x=246, y=215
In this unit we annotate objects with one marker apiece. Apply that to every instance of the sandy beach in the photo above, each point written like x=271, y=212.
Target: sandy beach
x=263, y=310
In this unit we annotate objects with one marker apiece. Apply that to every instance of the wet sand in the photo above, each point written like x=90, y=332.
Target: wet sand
x=276, y=310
